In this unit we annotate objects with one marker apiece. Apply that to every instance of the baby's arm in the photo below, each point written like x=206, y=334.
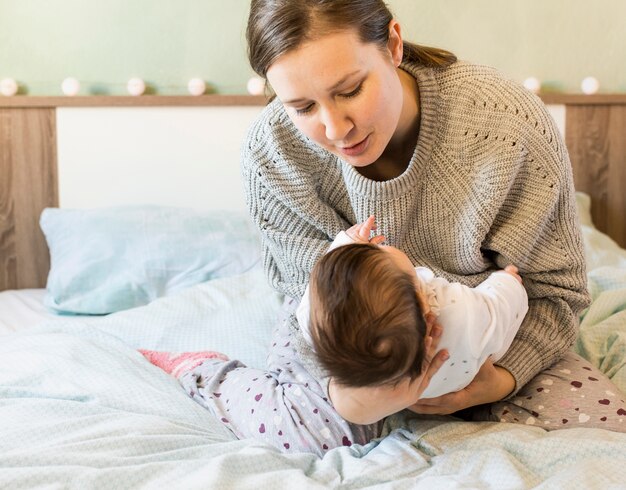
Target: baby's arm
x=506, y=303
x=361, y=232
x=511, y=269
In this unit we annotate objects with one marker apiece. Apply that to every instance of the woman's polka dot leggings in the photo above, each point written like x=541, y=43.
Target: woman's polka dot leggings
x=571, y=393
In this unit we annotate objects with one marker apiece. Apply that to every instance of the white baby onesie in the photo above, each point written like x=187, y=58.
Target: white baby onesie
x=477, y=322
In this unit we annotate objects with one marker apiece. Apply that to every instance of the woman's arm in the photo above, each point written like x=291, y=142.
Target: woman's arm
x=492, y=383
x=280, y=183
x=537, y=229
x=553, y=269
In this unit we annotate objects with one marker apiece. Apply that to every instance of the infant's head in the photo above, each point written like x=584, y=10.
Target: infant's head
x=367, y=316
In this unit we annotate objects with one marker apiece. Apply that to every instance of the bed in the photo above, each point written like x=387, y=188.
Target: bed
x=81, y=408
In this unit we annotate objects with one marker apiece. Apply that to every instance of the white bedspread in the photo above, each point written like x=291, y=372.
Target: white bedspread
x=80, y=408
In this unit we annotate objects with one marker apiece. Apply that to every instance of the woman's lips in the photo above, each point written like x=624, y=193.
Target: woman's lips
x=356, y=150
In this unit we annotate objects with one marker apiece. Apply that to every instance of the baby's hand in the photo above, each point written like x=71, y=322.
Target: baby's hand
x=361, y=232
x=511, y=269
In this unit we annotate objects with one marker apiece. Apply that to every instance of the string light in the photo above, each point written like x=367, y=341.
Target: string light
x=8, y=87
x=533, y=84
x=590, y=85
x=196, y=86
x=256, y=86
x=136, y=86
x=70, y=86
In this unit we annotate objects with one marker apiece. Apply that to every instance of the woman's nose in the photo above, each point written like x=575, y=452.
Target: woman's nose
x=337, y=124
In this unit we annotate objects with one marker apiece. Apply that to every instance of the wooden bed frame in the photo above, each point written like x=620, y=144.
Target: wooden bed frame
x=595, y=135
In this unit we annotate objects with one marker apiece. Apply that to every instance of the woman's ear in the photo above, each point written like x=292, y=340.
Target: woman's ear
x=395, y=45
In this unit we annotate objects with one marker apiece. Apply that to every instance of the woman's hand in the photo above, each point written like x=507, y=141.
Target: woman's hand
x=361, y=232
x=491, y=384
x=433, y=358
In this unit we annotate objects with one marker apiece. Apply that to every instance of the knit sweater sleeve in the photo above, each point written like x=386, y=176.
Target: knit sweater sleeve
x=536, y=228
x=280, y=179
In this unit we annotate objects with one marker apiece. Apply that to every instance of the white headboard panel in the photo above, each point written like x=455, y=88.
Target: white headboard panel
x=174, y=156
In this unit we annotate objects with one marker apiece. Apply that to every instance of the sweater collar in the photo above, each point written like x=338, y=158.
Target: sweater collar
x=429, y=119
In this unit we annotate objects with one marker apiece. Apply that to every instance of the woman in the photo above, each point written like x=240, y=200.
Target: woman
x=464, y=170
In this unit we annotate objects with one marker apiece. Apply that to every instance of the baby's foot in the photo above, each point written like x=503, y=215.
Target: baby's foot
x=178, y=363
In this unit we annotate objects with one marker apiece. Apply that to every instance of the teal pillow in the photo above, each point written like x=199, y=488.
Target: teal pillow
x=112, y=259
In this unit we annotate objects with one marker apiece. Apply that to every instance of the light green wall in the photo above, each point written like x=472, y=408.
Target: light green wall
x=167, y=42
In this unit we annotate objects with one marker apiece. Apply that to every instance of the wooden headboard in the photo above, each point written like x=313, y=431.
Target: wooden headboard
x=595, y=137
x=595, y=134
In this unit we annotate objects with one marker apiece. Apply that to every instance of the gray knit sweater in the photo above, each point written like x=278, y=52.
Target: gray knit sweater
x=489, y=184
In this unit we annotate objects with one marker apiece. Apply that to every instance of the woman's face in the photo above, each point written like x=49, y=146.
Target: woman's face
x=343, y=94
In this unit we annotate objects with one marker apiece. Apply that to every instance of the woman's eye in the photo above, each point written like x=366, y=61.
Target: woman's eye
x=305, y=110
x=354, y=93
x=309, y=108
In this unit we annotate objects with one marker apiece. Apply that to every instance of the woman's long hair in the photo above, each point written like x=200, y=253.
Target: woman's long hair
x=276, y=27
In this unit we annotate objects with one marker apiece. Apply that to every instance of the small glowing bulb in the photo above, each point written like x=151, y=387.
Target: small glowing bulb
x=8, y=87
x=590, y=85
x=256, y=86
x=136, y=86
x=70, y=86
x=196, y=86
x=533, y=84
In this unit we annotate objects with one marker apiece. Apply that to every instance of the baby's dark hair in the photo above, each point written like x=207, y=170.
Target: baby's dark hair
x=367, y=323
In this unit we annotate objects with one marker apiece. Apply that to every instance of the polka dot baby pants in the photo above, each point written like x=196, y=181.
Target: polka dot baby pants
x=283, y=405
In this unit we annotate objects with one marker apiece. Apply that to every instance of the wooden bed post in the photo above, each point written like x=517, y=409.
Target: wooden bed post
x=595, y=136
x=28, y=184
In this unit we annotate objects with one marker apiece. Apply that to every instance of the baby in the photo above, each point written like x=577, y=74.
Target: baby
x=363, y=313
x=367, y=325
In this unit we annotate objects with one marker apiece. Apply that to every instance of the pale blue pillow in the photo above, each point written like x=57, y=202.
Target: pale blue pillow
x=112, y=259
